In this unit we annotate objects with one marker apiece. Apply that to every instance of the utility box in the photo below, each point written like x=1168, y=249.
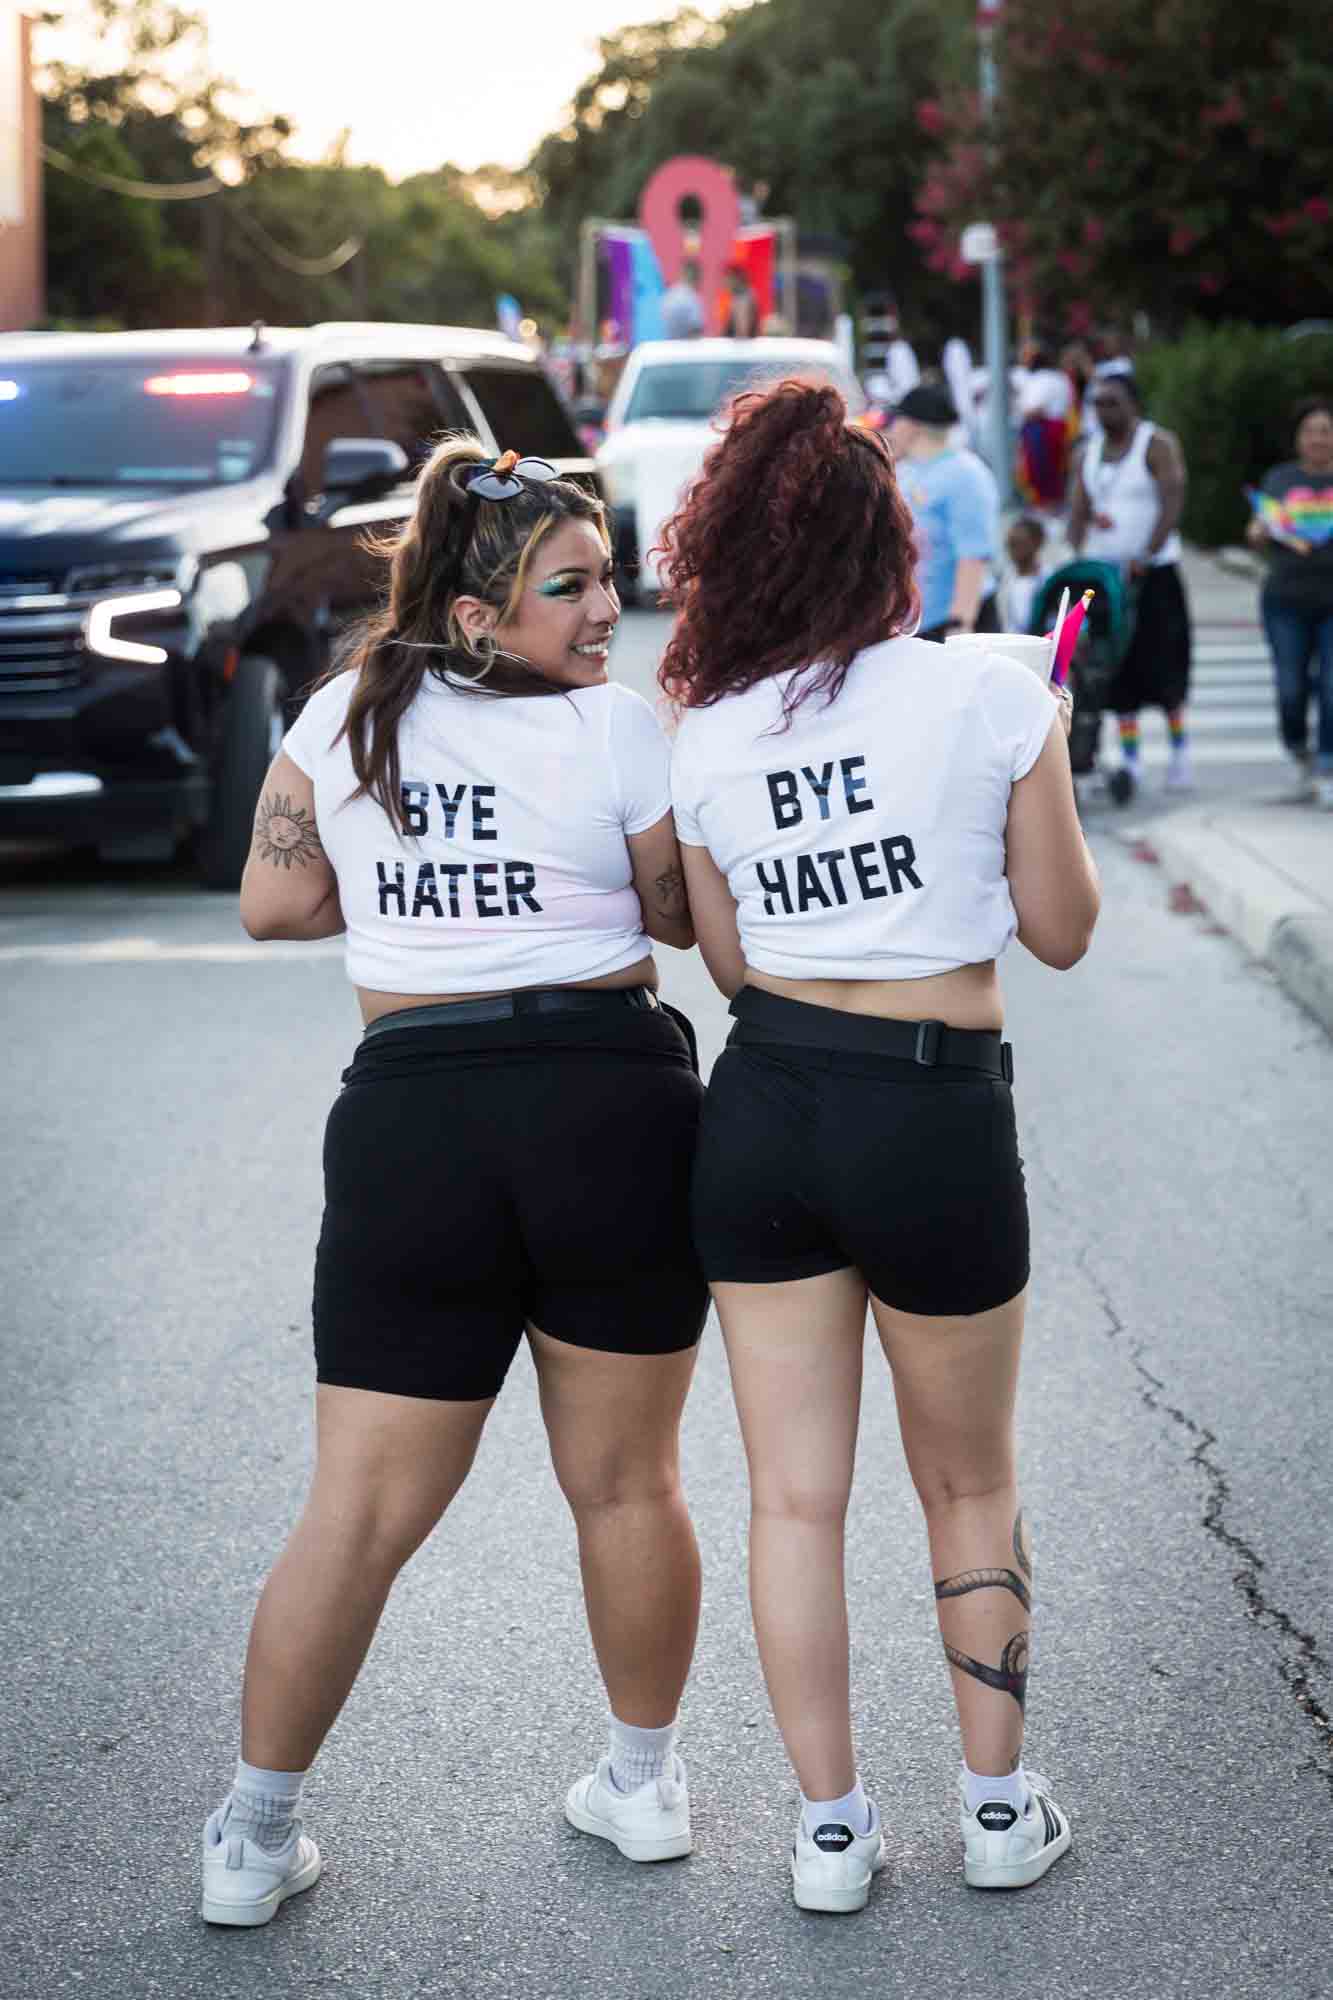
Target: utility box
x=22, y=244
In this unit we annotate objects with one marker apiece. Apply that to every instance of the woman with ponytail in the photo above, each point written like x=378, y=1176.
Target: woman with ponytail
x=866, y=821
x=488, y=819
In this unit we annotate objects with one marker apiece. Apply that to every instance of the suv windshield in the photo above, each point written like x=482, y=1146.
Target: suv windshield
x=134, y=423
x=523, y=411
x=697, y=389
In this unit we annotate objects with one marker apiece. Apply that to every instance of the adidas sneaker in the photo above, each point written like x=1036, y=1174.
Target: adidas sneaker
x=650, y=1824
x=831, y=1867
x=243, y=1882
x=1006, y=1849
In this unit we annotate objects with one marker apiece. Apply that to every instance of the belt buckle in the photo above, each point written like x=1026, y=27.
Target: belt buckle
x=928, y=1037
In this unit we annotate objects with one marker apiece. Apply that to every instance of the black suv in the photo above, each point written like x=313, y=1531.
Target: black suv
x=183, y=525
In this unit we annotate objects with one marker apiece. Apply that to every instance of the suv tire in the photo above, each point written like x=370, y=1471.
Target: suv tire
x=252, y=726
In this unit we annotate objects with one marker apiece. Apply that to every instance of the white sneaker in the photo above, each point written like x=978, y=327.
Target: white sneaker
x=1323, y=792
x=1003, y=1849
x=831, y=1867
x=1179, y=775
x=243, y=1882
x=650, y=1824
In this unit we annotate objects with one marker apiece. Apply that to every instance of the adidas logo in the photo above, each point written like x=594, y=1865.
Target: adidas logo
x=832, y=1839
x=999, y=1818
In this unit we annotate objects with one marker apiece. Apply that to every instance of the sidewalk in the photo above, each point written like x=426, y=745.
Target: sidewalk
x=1261, y=867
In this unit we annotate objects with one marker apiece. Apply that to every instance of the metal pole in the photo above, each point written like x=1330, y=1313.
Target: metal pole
x=995, y=316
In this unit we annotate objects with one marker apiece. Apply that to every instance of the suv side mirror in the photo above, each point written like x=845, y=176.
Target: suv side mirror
x=354, y=466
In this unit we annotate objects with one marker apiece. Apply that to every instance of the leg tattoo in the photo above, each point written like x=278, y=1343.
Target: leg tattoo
x=1022, y=1547
x=984, y=1579
x=1010, y=1677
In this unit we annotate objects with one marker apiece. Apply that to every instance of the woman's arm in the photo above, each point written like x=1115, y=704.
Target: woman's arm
x=288, y=890
x=713, y=908
x=660, y=885
x=1052, y=877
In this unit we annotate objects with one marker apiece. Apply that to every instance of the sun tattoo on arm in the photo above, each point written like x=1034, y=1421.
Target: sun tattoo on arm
x=671, y=898
x=285, y=833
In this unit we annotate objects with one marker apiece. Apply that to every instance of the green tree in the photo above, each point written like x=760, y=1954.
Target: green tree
x=1164, y=154
x=816, y=104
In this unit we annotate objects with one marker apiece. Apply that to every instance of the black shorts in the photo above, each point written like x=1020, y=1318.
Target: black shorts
x=819, y=1152
x=480, y=1176
x=1155, y=672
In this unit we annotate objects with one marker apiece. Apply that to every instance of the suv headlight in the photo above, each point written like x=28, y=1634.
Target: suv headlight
x=125, y=592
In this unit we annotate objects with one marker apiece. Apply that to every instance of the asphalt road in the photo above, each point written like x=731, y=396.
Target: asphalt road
x=165, y=1083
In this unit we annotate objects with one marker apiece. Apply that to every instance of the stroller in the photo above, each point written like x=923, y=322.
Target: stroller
x=1102, y=643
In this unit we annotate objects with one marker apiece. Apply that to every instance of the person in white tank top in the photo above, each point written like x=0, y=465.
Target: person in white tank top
x=866, y=822
x=1128, y=499
x=488, y=819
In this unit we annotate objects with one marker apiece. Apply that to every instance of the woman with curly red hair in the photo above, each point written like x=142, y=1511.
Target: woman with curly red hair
x=866, y=820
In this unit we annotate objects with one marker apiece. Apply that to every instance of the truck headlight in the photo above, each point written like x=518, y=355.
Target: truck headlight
x=98, y=626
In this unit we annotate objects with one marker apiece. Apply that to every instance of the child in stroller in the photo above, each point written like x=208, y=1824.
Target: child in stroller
x=1102, y=644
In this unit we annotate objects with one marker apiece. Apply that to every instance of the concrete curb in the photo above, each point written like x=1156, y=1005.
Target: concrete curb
x=1264, y=908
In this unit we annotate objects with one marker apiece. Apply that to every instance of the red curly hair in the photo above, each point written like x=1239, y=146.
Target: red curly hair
x=793, y=549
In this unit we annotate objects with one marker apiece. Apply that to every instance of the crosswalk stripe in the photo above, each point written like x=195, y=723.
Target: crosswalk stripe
x=1232, y=714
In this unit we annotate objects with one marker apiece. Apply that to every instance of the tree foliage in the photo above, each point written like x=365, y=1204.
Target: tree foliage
x=149, y=109
x=817, y=105
x=1166, y=154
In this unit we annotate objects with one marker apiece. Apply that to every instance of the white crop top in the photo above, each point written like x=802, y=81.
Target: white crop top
x=866, y=841
x=515, y=871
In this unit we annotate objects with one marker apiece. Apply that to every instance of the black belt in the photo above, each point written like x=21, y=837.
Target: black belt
x=773, y=1019
x=508, y=1006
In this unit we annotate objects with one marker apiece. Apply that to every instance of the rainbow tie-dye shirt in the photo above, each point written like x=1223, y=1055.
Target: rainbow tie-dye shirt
x=1301, y=503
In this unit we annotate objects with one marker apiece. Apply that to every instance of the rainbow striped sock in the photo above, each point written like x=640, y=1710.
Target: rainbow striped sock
x=1175, y=722
x=1129, y=738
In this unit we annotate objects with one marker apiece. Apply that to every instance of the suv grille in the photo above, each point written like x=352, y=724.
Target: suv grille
x=41, y=634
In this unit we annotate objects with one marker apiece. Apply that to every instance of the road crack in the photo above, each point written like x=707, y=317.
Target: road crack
x=1299, y=1658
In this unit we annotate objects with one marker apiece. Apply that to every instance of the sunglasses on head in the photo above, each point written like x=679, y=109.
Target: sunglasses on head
x=502, y=478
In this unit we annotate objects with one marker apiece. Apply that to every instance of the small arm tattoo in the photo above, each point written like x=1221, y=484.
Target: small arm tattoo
x=285, y=833
x=671, y=898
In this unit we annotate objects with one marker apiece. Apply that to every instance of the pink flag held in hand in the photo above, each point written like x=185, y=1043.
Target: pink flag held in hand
x=1069, y=631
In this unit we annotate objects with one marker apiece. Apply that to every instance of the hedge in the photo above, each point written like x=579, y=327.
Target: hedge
x=1229, y=393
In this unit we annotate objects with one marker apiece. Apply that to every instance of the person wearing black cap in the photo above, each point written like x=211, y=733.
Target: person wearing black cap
x=957, y=519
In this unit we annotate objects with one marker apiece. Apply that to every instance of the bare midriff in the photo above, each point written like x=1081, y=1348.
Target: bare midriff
x=967, y=998
x=373, y=1004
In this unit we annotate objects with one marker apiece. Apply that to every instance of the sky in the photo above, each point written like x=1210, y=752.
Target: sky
x=419, y=82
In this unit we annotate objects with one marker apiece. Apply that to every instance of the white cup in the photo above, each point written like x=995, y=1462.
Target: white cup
x=1028, y=648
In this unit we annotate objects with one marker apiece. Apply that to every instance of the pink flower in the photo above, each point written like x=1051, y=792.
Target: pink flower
x=1210, y=282
x=1182, y=239
x=1094, y=230
x=930, y=116
x=1317, y=208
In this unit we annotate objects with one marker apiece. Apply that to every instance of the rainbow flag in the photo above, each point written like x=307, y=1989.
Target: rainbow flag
x=1304, y=517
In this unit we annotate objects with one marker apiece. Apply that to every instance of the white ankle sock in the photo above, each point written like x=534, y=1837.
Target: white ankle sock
x=1013, y=1789
x=639, y=1755
x=263, y=1805
x=852, y=1809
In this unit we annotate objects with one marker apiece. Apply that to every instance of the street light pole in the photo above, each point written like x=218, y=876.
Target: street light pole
x=995, y=317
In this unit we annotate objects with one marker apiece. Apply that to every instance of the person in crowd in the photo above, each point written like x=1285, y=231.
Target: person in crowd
x=864, y=827
x=1025, y=546
x=956, y=366
x=683, y=316
x=488, y=819
x=900, y=367
x=1128, y=497
x=1045, y=402
x=953, y=499
x=1077, y=362
x=741, y=305
x=1296, y=537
